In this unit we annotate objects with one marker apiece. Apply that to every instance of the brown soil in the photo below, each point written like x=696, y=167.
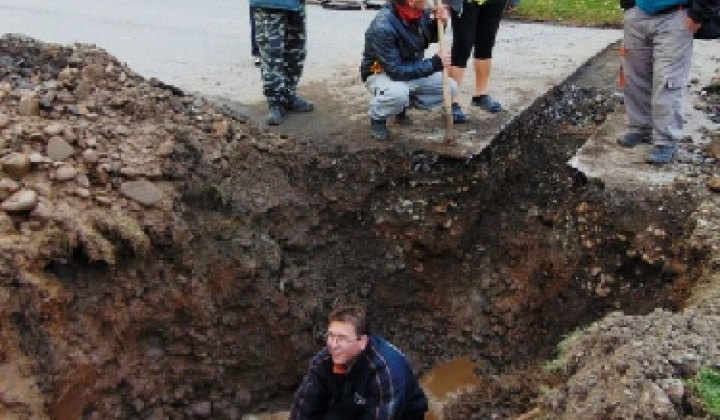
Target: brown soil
x=184, y=270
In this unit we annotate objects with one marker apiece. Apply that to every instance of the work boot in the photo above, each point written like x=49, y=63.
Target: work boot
x=631, y=140
x=458, y=115
x=298, y=104
x=276, y=116
x=403, y=118
x=661, y=154
x=378, y=129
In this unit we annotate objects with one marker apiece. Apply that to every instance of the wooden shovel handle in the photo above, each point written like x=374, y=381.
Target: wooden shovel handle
x=447, y=100
x=530, y=414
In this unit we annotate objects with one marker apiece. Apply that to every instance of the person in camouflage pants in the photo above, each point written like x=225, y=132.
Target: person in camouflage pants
x=281, y=37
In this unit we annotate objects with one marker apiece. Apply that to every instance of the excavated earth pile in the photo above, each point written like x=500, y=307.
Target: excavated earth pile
x=162, y=257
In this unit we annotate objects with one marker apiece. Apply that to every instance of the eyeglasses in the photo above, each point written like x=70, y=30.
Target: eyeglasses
x=339, y=338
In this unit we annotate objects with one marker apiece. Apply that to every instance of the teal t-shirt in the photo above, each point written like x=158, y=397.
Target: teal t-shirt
x=653, y=6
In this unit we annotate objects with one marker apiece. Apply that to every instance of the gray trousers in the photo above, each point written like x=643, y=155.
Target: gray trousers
x=391, y=97
x=657, y=66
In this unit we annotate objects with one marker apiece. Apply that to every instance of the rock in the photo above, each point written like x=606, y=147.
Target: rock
x=65, y=173
x=166, y=148
x=4, y=121
x=221, y=128
x=29, y=106
x=54, y=129
x=713, y=149
x=83, y=180
x=23, y=200
x=37, y=158
x=43, y=210
x=144, y=192
x=674, y=389
x=15, y=164
x=6, y=224
x=7, y=187
x=713, y=184
x=202, y=409
x=66, y=74
x=58, y=149
x=90, y=156
x=82, y=192
x=84, y=89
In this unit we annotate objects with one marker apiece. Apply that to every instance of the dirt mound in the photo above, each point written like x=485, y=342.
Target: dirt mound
x=94, y=162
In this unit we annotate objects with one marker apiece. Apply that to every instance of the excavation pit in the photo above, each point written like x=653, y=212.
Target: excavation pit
x=208, y=302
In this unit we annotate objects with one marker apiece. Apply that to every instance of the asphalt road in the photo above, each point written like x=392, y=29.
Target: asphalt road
x=199, y=45
x=203, y=46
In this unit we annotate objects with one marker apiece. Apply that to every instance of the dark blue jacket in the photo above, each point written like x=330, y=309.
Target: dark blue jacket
x=379, y=386
x=399, y=47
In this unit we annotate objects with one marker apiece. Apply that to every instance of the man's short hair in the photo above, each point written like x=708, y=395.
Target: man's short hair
x=352, y=314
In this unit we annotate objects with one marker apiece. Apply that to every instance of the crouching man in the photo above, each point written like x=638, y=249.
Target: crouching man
x=358, y=375
x=394, y=68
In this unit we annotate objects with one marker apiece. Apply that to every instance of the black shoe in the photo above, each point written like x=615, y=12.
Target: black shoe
x=276, y=116
x=378, y=130
x=458, y=115
x=403, y=118
x=298, y=104
x=631, y=140
x=487, y=103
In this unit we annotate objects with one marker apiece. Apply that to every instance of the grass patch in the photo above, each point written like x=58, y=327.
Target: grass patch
x=707, y=385
x=559, y=364
x=572, y=12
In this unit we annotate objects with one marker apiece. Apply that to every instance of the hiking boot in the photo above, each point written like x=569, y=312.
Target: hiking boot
x=631, y=140
x=458, y=115
x=661, y=154
x=378, y=129
x=403, y=118
x=298, y=104
x=276, y=116
x=487, y=103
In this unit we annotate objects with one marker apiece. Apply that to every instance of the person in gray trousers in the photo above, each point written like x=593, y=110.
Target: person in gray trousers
x=657, y=53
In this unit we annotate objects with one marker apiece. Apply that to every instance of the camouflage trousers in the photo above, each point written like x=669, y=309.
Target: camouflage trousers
x=281, y=38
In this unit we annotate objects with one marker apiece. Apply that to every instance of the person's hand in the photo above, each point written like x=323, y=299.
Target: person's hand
x=444, y=57
x=441, y=13
x=692, y=25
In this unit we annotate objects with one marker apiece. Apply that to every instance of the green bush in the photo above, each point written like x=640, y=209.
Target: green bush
x=707, y=385
x=573, y=12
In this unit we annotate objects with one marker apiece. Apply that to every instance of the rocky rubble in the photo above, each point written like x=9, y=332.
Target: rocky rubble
x=89, y=171
x=639, y=367
x=84, y=139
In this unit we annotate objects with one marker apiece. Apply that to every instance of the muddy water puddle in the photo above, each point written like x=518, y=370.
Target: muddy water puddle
x=441, y=385
x=446, y=381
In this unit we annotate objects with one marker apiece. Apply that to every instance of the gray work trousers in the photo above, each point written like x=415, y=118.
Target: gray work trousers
x=391, y=97
x=657, y=66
